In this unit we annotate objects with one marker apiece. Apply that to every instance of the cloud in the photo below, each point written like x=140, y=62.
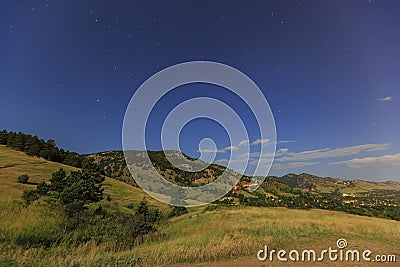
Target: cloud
x=243, y=142
x=240, y=144
x=387, y=160
x=331, y=153
x=291, y=165
x=228, y=148
x=286, y=160
x=211, y=150
x=285, y=141
x=282, y=151
x=260, y=141
x=385, y=99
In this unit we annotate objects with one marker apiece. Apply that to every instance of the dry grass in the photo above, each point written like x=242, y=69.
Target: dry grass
x=236, y=233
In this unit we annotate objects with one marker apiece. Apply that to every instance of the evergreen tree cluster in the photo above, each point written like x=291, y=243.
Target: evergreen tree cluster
x=33, y=146
x=74, y=195
x=74, y=192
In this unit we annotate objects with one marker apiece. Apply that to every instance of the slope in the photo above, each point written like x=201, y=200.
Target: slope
x=14, y=163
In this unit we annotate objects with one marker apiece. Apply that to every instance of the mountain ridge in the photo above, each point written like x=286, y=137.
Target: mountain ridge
x=114, y=165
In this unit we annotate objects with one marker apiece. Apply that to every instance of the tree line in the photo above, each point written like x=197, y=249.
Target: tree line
x=33, y=146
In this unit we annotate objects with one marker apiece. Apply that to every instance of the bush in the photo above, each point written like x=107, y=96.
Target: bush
x=23, y=179
x=29, y=196
x=211, y=208
x=42, y=189
x=8, y=261
x=177, y=211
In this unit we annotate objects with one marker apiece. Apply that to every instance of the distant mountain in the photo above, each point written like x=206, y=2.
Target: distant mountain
x=114, y=166
x=312, y=183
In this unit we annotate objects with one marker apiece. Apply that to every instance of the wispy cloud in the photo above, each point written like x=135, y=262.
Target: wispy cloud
x=285, y=141
x=331, y=153
x=240, y=144
x=223, y=150
x=287, y=160
x=206, y=150
x=387, y=160
x=243, y=142
x=386, y=99
x=260, y=141
x=282, y=151
x=230, y=148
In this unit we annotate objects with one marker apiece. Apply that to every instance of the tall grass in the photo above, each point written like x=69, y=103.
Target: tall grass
x=224, y=234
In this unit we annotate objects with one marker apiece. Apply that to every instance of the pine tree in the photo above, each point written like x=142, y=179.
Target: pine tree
x=3, y=137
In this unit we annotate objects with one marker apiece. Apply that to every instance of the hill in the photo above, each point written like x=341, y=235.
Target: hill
x=312, y=183
x=14, y=163
x=114, y=165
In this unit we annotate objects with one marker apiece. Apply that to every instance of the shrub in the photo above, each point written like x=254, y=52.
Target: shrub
x=42, y=189
x=211, y=208
x=23, y=179
x=177, y=211
x=28, y=196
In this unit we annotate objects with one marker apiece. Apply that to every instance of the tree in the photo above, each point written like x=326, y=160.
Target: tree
x=80, y=188
x=3, y=137
x=57, y=181
x=177, y=211
x=42, y=189
x=28, y=196
x=23, y=179
x=145, y=219
x=19, y=142
x=11, y=139
x=74, y=192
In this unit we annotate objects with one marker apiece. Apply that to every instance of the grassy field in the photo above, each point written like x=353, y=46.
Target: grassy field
x=227, y=236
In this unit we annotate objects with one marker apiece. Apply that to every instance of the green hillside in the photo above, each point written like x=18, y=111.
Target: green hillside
x=14, y=163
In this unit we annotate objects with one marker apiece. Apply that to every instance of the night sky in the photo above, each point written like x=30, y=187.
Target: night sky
x=329, y=69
